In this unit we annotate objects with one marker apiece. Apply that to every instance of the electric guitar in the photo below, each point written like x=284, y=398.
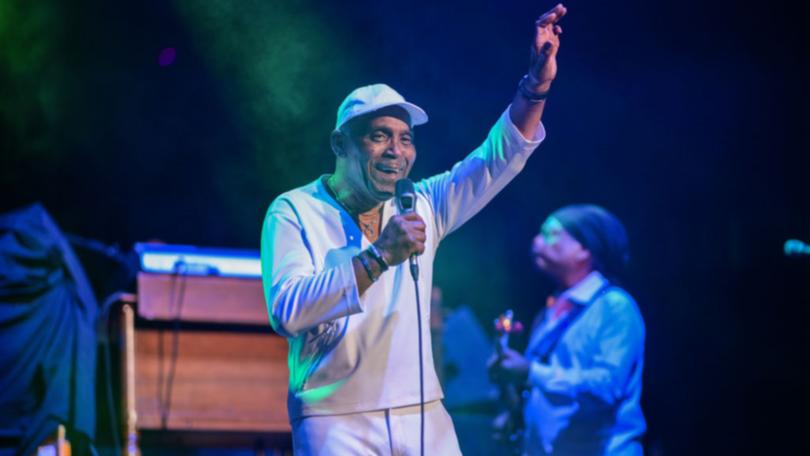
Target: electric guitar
x=508, y=423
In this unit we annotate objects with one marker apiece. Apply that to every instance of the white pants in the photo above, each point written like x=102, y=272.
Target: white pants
x=382, y=432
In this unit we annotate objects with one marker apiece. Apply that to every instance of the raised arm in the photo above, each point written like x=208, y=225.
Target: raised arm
x=527, y=106
x=460, y=193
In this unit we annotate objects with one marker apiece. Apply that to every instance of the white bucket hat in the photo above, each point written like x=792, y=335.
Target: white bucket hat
x=370, y=98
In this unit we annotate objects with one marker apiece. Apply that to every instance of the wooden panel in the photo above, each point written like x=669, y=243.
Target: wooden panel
x=223, y=381
x=204, y=299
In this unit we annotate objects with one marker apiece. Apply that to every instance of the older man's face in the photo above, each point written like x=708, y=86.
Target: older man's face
x=554, y=250
x=381, y=154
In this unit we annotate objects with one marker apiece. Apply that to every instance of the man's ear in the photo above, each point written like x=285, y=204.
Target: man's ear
x=338, y=141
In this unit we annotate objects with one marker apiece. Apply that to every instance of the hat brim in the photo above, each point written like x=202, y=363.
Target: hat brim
x=417, y=114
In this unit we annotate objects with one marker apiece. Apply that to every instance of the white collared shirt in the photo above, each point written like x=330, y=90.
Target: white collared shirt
x=352, y=353
x=586, y=399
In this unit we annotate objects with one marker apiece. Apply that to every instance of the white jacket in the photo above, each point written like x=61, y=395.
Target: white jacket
x=351, y=353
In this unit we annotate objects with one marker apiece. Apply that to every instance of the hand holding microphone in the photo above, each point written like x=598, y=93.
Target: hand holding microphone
x=404, y=236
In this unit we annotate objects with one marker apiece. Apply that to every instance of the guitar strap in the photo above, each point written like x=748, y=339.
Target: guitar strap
x=542, y=352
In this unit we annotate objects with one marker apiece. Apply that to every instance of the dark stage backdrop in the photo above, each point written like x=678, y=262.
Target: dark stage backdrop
x=181, y=121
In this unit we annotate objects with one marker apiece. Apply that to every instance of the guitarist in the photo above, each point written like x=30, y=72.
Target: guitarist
x=583, y=365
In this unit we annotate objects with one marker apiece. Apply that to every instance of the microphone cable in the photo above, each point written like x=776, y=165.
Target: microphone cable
x=414, y=267
x=176, y=300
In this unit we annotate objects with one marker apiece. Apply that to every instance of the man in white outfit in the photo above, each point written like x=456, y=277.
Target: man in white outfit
x=336, y=275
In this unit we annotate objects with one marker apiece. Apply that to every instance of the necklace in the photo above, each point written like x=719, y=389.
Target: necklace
x=368, y=222
x=369, y=226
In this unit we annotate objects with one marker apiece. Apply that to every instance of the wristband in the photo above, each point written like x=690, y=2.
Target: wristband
x=531, y=97
x=375, y=253
x=367, y=267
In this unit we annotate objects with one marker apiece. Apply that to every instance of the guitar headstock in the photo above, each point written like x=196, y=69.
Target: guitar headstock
x=505, y=324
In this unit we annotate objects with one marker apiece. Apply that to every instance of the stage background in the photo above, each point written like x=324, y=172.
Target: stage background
x=688, y=121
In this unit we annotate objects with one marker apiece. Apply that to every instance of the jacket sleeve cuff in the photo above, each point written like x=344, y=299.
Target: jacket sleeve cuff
x=516, y=136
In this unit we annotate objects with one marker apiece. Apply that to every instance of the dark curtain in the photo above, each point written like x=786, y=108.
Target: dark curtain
x=47, y=336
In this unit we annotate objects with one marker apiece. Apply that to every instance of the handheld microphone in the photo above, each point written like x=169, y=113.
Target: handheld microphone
x=796, y=248
x=406, y=200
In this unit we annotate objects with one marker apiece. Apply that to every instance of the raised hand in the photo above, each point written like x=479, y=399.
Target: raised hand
x=403, y=236
x=543, y=63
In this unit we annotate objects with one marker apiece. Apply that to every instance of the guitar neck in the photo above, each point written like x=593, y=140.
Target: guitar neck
x=502, y=343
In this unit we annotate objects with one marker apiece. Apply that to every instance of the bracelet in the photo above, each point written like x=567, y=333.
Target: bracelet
x=531, y=97
x=367, y=267
x=375, y=253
